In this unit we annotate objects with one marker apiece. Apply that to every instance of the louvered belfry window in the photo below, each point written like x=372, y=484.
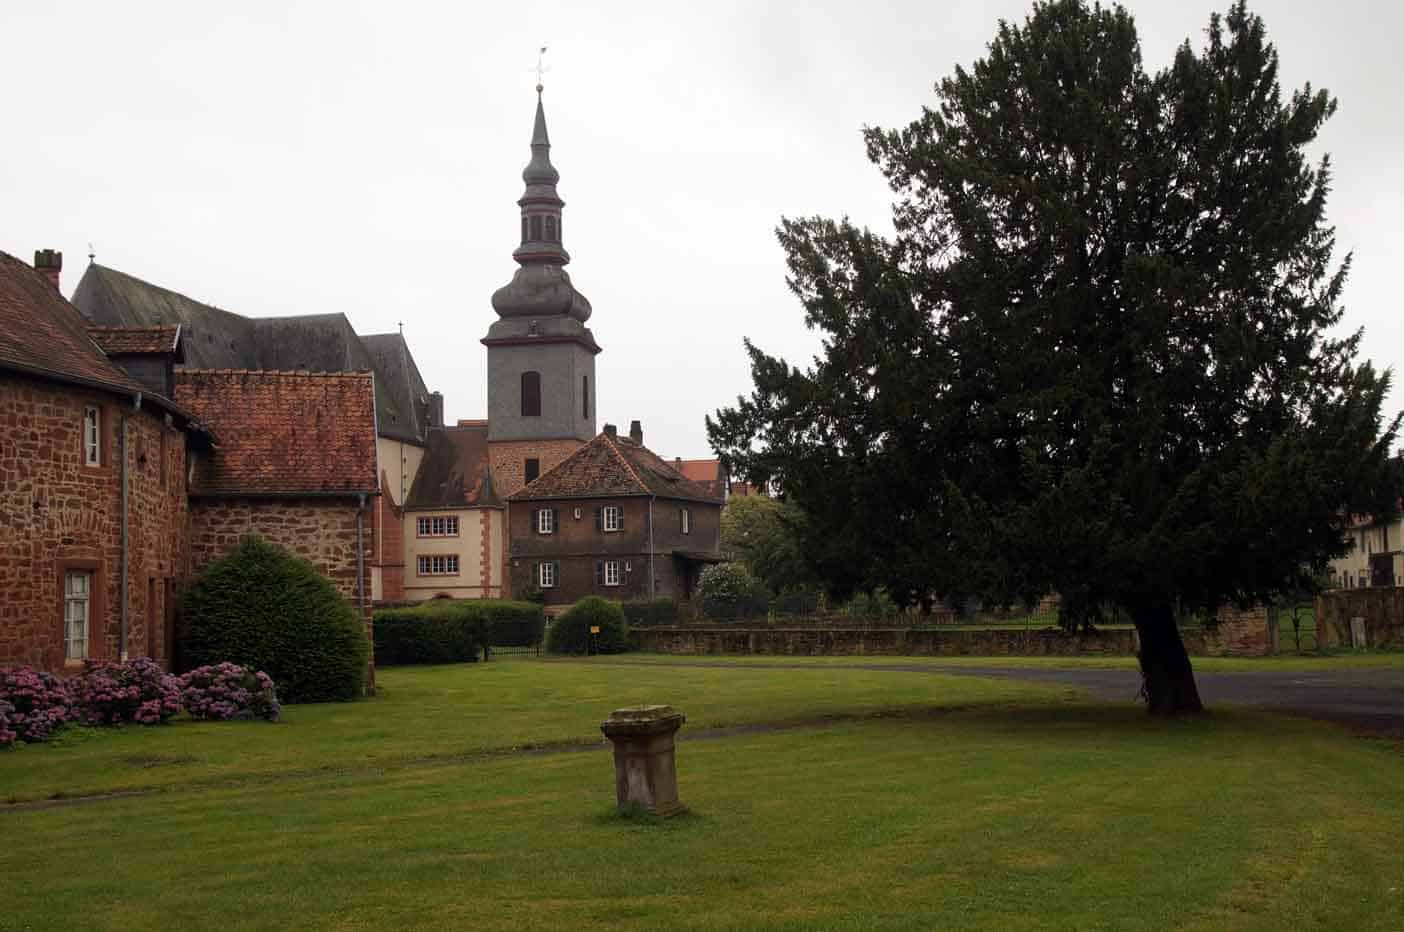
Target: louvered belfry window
x=531, y=394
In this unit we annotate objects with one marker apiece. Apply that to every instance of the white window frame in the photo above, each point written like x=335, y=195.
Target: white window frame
x=437, y=564
x=611, y=518
x=687, y=520
x=546, y=575
x=77, y=613
x=436, y=526
x=613, y=574
x=92, y=435
x=545, y=521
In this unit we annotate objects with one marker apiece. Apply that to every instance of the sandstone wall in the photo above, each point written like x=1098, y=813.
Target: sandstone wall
x=320, y=530
x=1382, y=609
x=57, y=513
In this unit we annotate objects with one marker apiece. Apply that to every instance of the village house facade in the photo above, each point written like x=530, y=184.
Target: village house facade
x=1375, y=558
x=616, y=520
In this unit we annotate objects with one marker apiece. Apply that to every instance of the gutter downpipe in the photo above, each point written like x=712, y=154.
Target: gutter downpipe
x=126, y=548
x=652, y=578
x=361, y=590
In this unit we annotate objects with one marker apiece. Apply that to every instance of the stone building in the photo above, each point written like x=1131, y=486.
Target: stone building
x=93, y=507
x=210, y=338
x=614, y=519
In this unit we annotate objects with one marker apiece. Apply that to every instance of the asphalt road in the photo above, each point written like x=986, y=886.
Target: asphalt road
x=1366, y=700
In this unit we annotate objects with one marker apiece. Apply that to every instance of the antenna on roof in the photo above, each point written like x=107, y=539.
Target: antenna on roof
x=540, y=69
x=92, y=254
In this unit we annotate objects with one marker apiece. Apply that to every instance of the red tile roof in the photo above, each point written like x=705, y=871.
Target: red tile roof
x=700, y=470
x=283, y=433
x=43, y=334
x=117, y=341
x=456, y=471
x=610, y=466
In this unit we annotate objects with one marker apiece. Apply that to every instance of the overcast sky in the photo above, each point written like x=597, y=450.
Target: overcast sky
x=277, y=158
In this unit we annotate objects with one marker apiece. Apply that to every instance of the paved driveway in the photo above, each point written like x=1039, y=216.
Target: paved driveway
x=1370, y=700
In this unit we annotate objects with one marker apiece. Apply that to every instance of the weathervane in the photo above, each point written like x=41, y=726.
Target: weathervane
x=540, y=68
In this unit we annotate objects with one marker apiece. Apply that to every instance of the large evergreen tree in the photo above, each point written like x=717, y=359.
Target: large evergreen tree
x=1101, y=355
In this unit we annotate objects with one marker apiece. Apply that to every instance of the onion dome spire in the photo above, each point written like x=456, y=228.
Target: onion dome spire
x=541, y=287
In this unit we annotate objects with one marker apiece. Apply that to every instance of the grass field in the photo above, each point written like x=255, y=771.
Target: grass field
x=920, y=802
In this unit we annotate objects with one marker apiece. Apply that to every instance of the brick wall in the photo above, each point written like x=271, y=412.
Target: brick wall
x=58, y=513
x=508, y=460
x=1239, y=633
x=1382, y=609
x=320, y=530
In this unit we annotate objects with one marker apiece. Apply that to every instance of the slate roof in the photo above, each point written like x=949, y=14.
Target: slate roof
x=455, y=472
x=218, y=339
x=283, y=433
x=610, y=466
x=123, y=341
x=43, y=334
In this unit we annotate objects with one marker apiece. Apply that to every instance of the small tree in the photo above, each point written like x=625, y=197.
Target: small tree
x=729, y=591
x=764, y=534
x=263, y=608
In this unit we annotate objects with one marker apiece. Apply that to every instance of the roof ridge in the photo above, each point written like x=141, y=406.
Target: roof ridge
x=295, y=373
x=613, y=444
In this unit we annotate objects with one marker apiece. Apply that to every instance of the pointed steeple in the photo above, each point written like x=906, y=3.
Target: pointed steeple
x=541, y=287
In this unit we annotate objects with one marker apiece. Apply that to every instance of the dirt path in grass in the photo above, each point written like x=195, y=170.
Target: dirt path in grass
x=1369, y=701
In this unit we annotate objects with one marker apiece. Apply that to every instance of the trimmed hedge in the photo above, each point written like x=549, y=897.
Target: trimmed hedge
x=261, y=607
x=454, y=630
x=570, y=633
x=644, y=613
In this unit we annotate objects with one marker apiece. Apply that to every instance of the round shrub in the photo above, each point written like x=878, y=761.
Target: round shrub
x=570, y=633
x=228, y=691
x=263, y=608
x=728, y=591
x=113, y=693
x=39, y=703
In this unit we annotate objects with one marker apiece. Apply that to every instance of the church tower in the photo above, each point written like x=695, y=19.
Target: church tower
x=541, y=356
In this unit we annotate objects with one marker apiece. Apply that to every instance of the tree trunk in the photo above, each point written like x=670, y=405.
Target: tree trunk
x=1165, y=667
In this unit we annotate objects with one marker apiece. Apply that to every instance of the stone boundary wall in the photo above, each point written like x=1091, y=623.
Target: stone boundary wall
x=1238, y=634
x=1382, y=609
x=733, y=639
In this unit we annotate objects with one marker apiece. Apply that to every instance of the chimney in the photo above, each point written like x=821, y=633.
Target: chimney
x=611, y=430
x=435, y=412
x=636, y=432
x=50, y=263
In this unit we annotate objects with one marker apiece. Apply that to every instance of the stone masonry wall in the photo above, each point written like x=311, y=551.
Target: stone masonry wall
x=320, y=530
x=508, y=460
x=57, y=513
x=1382, y=609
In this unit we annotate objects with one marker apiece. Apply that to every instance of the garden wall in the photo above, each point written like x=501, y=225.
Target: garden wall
x=1382, y=610
x=1238, y=634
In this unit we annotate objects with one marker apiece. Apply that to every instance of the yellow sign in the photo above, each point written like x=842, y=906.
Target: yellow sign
x=594, y=629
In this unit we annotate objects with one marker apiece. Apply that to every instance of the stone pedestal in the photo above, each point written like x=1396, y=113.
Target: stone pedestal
x=644, y=771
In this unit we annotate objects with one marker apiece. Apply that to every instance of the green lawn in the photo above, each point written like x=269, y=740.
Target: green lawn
x=984, y=805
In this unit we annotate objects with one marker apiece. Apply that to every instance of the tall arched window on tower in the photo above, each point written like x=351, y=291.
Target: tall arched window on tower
x=536, y=228
x=524, y=229
x=531, y=394
x=551, y=230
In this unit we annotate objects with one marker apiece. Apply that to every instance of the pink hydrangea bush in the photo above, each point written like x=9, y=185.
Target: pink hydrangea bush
x=111, y=693
x=227, y=691
x=39, y=703
x=7, y=735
